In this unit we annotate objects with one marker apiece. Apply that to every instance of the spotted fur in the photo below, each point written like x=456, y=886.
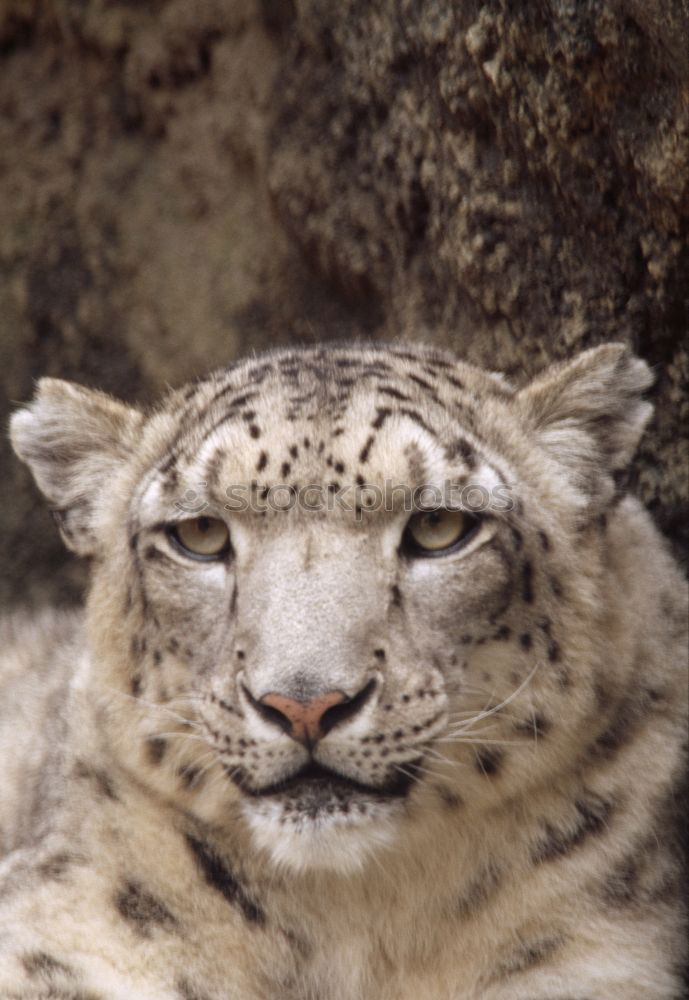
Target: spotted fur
x=488, y=814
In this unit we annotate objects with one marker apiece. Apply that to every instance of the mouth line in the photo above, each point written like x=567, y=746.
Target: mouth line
x=315, y=776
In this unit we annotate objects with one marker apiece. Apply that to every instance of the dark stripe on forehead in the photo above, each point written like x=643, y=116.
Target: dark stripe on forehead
x=407, y=356
x=224, y=391
x=305, y=397
x=405, y=411
x=460, y=448
x=377, y=370
x=202, y=380
x=188, y=415
x=232, y=411
x=382, y=414
x=213, y=466
x=253, y=374
x=257, y=374
x=423, y=384
x=438, y=363
x=366, y=450
x=395, y=393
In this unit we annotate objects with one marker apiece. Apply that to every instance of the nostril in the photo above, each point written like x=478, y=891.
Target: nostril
x=268, y=712
x=272, y=715
x=340, y=713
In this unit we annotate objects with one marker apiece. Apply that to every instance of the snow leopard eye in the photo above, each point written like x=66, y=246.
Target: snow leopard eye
x=201, y=537
x=437, y=532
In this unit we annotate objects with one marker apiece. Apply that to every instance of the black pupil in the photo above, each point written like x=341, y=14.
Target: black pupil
x=203, y=524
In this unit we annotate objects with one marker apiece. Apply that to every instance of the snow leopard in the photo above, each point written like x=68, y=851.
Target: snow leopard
x=379, y=691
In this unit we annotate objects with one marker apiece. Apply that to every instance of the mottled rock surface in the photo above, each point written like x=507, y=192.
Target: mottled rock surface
x=182, y=183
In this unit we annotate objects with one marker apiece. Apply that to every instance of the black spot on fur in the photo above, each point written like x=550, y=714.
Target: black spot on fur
x=423, y=383
x=527, y=582
x=254, y=431
x=417, y=418
x=395, y=393
x=382, y=414
x=449, y=798
x=41, y=965
x=530, y=955
x=545, y=541
x=285, y=469
x=189, y=776
x=591, y=818
x=502, y=633
x=101, y=780
x=142, y=910
x=622, y=726
x=155, y=749
x=621, y=886
x=525, y=640
x=213, y=470
x=478, y=892
x=406, y=356
x=233, y=599
x=135, y=685
x=262, y=461
x=396, y=596
x=186, y=991
x=461, y=449
x=366, y=450
x=489, y=761
x=223, y=880
x=536, y=725
x=57, y=865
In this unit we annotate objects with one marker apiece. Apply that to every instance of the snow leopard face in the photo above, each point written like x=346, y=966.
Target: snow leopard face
x=341, y=582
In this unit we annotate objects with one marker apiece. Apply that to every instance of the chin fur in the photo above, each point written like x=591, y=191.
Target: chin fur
x=336, y=843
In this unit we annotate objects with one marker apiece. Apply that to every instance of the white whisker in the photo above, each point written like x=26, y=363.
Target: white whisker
x=483, y=714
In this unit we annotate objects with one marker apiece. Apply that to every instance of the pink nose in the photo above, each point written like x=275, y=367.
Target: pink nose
x=303, y=720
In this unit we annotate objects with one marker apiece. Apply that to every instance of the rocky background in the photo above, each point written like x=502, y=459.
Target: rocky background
x=181, y=183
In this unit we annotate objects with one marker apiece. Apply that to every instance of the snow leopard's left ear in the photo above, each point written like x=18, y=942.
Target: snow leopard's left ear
x=74, y=440
x=589, y=412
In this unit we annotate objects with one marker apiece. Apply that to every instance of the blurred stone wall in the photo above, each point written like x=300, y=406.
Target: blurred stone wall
x=181, y=183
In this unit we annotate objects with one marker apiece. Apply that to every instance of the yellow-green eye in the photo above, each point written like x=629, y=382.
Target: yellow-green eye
x=201, y=537
x=434, y=532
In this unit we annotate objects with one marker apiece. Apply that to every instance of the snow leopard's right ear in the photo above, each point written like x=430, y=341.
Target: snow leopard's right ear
x=74, y=440
x=589, y=414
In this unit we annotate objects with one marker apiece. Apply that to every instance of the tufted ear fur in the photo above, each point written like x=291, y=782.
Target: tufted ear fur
x=73, y=440
x=589, y=414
